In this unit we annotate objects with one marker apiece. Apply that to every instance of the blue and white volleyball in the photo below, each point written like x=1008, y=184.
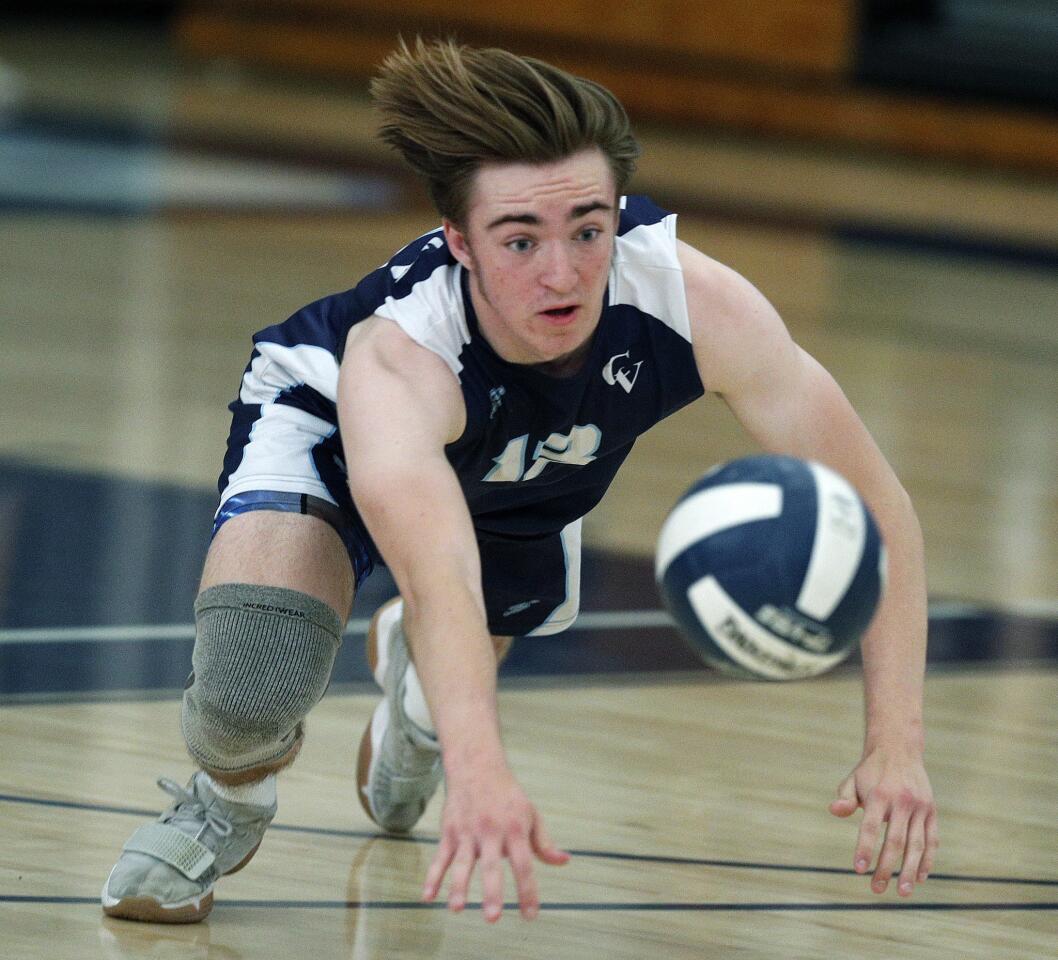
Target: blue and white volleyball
x=772, y=567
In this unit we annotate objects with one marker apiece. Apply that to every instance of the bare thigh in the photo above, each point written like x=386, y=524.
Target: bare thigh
x=275, y=549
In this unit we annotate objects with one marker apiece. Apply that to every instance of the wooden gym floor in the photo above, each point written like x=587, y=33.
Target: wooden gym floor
x=155, y=213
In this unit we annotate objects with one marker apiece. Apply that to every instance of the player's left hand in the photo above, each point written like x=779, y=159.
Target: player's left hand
x=892, y=788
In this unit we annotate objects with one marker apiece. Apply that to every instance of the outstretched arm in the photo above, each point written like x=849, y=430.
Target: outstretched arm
x=789, y=404
x=398, y=406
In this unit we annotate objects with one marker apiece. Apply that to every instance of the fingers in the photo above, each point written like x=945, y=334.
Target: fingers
x=524, y=878
x=870, y=827
x=848, y=802
x=896, y=797
x=438, y=868
x=459, y=877
x=914, y=849
x=457, y=856
x=491, y=879
x=910, y=842
x=892, y=849
x=932, y=843
x=544, y=847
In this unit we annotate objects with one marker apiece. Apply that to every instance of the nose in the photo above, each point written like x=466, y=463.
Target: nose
x=558, y=272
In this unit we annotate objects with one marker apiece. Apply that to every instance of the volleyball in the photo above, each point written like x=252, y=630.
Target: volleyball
x=772, y=567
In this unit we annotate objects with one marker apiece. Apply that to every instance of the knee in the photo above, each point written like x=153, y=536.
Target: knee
x=263, y=658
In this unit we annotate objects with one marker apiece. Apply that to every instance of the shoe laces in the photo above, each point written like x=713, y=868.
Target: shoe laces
x=189, y=808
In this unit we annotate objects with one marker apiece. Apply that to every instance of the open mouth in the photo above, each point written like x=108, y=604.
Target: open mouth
x=560, y=313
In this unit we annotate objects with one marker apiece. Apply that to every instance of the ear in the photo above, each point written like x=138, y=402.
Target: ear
x=458, y=244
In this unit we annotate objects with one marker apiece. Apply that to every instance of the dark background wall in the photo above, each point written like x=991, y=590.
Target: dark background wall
x=1000, y=50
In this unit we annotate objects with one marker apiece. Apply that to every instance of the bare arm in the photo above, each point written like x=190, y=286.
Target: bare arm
x=398, y=406
x=790, y=404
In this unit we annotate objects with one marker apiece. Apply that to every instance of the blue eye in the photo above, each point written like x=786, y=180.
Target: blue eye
x=590, y=233
x=521, y=245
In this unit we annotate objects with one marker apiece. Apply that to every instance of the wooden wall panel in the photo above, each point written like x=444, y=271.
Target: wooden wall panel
x=905, y=124
x=703, y=92
x=812, y=36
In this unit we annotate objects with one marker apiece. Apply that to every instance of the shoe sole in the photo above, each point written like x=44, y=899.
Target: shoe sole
x=149, y=910
x=377, y=661
x=364, y=758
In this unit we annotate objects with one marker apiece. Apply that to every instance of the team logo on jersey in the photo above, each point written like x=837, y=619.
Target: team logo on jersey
x=496, y=396
x=625, y=377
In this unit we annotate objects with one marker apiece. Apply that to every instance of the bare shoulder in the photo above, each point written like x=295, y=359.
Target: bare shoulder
x=380, y=343
x=716, y=290
x=733, y=326
x=703, y=275
x=385, y=369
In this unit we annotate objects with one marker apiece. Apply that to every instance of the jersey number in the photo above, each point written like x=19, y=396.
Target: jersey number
x=577, y=448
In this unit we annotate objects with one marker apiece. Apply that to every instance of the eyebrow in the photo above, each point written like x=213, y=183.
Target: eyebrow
x=534, y=221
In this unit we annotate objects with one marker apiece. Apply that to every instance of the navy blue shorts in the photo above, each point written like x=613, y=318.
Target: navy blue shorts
x=284, y=458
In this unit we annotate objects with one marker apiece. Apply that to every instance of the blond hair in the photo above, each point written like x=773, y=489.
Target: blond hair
x=448, y=109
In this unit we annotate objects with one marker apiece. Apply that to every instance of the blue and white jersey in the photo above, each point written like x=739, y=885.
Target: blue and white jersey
x=538, y=451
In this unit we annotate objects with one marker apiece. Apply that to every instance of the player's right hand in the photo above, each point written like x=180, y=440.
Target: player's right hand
x=488, y=819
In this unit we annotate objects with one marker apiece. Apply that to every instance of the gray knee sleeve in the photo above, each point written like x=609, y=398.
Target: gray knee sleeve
x=262, y=659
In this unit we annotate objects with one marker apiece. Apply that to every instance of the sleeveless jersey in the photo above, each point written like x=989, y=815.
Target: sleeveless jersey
x=538, y=451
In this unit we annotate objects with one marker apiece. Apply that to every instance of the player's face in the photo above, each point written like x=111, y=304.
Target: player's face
x=537, y=245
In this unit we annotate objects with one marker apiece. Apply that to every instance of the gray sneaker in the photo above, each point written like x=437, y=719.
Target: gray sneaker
x=399, y=766
x=167, y=869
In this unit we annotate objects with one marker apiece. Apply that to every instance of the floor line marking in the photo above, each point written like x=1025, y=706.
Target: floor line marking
x=558, y=906
x=597, y=854
x=357, y=627
x=589, y=620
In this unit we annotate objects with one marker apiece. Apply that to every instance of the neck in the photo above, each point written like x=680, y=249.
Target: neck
x=568, y=365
